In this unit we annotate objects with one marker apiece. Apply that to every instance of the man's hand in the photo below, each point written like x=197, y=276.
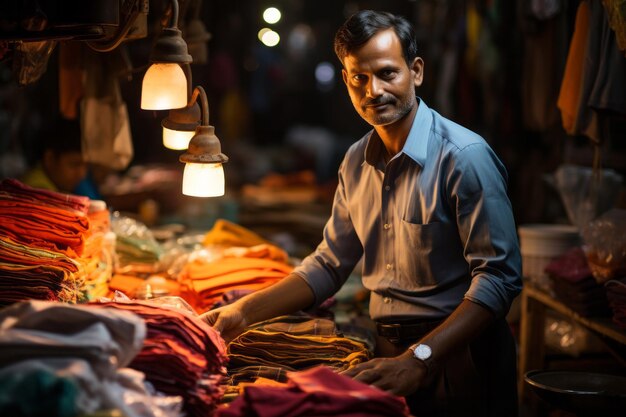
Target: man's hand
x=288, y=295
x=400, y=376
x=229, y=320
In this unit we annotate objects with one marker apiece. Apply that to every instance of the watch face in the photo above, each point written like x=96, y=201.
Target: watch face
x=422, y=352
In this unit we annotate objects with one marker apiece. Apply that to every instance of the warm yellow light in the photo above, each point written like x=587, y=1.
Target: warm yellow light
x=271, y=15
x=164, y=87
x=262, y=32
x=270, y=38
x=203, y=180
x=177, y=139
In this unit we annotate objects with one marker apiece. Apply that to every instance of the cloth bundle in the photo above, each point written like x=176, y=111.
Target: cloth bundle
x=30, y=273
x=315, y=392
x=181, y=354
x=574, y=285
x=43, y=219
x=52, y=245
x=291, y=343
x=205, y=283
x=84, y=351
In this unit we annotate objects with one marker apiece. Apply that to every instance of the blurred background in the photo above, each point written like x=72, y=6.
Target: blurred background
x=283, y=114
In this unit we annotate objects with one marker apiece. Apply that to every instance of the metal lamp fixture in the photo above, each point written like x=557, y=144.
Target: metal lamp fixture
x=204, y=173
x=164, y=84
x=180, y=124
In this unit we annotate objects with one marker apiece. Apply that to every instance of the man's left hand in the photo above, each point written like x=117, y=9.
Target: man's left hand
x=400, y=376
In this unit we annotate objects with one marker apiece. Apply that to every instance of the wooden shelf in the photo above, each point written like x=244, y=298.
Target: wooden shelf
x=535, y=303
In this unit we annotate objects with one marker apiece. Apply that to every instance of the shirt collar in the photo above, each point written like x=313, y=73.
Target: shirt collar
x=416, y=144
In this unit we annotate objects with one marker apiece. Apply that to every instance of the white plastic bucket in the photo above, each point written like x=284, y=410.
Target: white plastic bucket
x=540, y=244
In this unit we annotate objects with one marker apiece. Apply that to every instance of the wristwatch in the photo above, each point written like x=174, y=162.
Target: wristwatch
x=424, y=353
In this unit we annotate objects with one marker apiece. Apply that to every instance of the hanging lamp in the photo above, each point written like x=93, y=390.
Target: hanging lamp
x=204, y=171
x=164, y=84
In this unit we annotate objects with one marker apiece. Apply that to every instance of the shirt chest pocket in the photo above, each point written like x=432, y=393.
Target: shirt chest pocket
x=425, y=253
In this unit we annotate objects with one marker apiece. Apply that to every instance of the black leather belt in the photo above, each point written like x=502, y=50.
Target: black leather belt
x=405, y=331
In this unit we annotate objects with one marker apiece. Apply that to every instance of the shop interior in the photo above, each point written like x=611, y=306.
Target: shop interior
x=269, y=112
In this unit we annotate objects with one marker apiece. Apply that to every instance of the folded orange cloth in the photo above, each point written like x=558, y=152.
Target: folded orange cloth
x=207, y=282
x=226, y=233
x=264, y=250
x=128, y=284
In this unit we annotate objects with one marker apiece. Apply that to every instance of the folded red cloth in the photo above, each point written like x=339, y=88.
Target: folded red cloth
x=571, y=266
x=70, y=201
x=315, y=392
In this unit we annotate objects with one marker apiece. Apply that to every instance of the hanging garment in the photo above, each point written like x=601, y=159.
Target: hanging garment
x=105, y=127
x=571, y=85
x=594, y=86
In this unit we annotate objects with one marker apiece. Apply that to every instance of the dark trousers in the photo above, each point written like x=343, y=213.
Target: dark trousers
x=478, y=381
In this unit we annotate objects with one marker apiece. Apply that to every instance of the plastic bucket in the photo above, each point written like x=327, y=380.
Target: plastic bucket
x=540, y=244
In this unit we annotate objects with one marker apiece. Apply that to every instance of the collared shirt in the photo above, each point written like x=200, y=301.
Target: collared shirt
x=434, y=225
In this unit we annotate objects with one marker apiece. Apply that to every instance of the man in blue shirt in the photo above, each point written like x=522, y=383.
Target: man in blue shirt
x=423, y=202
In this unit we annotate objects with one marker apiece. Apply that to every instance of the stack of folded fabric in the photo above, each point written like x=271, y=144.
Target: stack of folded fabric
x=43, y=219
x=58, y=356
x=574, y=284
x=291, y=343
x=616, y=293
x=205, y=283
x=315, y=392
x=28, y=273
x=228, y=234
x=181, y=355
x=99, y=252
x=47, y=250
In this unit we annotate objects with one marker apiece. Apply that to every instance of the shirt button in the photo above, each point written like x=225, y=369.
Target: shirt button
x=386, y=300
x=387, y=188
x=387, y=226
x=389, y=267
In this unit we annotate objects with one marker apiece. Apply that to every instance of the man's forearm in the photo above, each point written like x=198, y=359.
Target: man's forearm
x=287, y=296
x=464, y=324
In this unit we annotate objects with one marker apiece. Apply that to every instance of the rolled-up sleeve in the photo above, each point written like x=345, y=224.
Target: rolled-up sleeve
x=486, y=227
x=329, y=266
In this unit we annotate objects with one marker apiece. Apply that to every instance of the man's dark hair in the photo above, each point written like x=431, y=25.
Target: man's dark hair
x=364, y=24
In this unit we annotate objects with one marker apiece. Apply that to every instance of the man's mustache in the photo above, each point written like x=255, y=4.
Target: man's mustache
x=379, y=101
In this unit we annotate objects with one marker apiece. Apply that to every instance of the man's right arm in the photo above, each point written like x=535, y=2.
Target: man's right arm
x=287, y=296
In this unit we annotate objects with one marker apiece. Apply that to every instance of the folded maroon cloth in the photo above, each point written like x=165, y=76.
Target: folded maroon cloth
x=70, y=201
x=315, y=392
x=571, y=266
x=181, y=355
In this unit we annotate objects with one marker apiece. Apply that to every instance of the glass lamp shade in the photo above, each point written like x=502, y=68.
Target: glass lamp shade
x=203, y=180
x=177, y=139
x=164, y=87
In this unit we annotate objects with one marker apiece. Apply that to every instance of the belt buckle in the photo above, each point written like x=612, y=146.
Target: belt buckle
x=396, y=328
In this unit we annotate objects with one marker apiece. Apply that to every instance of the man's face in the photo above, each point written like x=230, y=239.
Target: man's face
x=380, y=83
x=66, y=170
